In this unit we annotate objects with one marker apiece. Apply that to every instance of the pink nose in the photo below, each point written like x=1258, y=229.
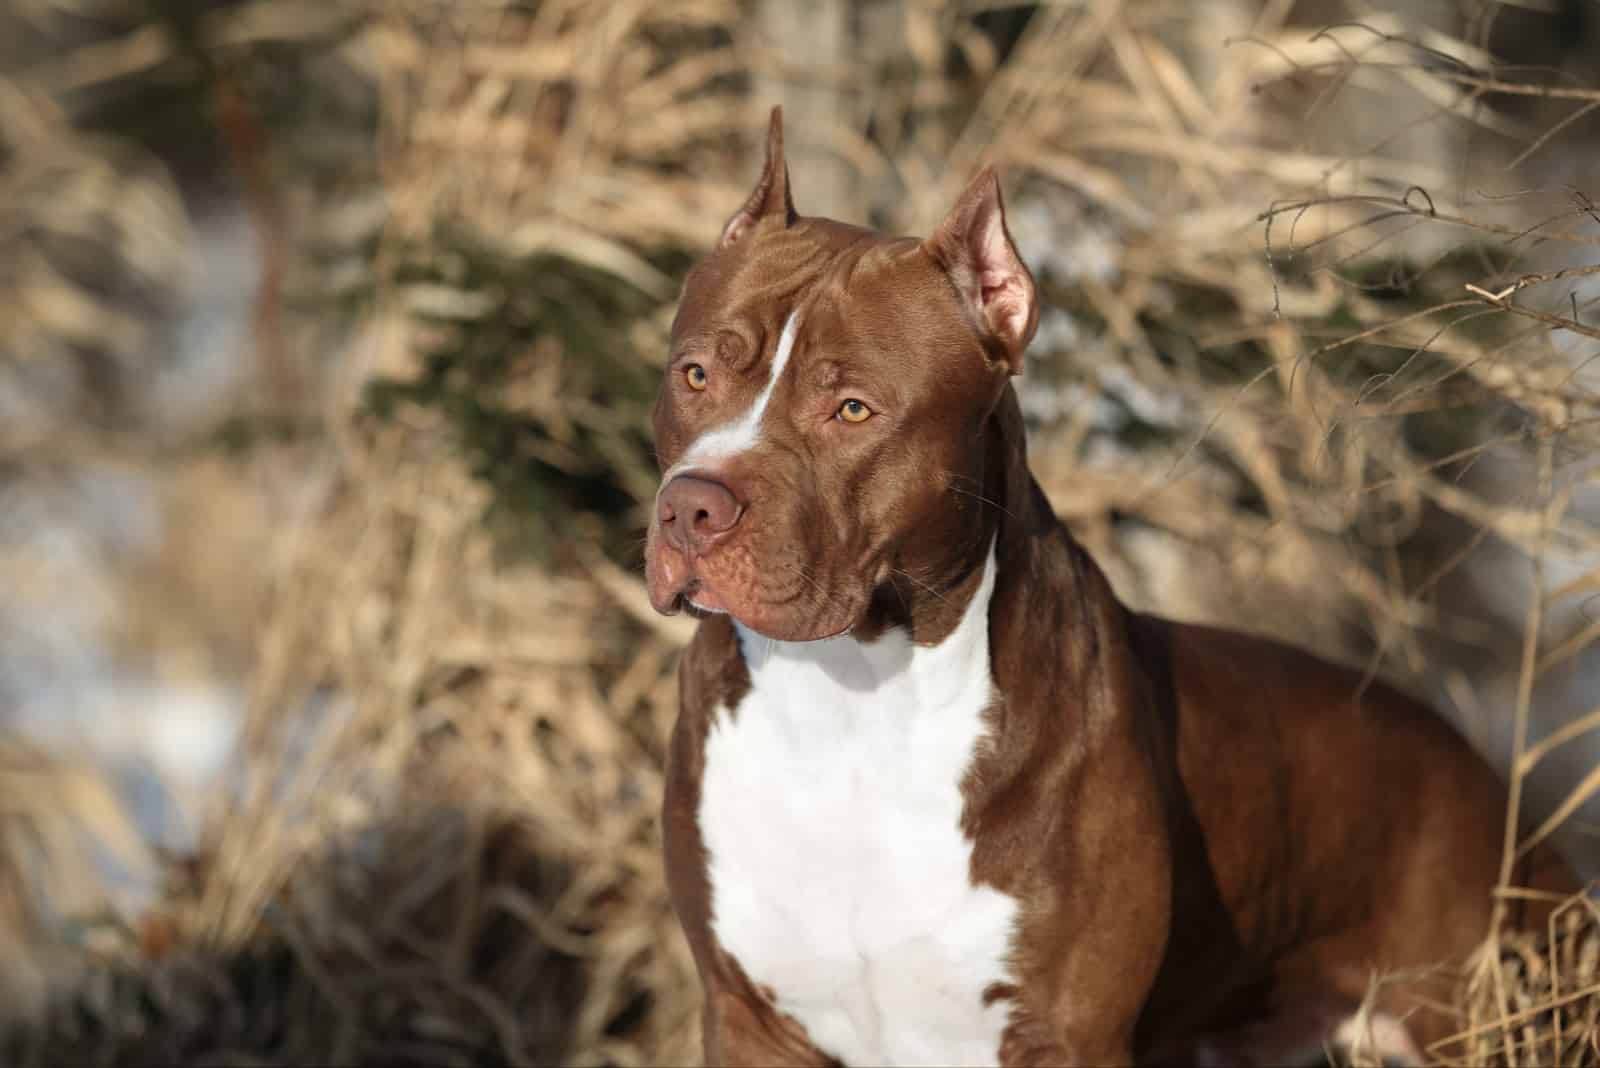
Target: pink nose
x=695, y=512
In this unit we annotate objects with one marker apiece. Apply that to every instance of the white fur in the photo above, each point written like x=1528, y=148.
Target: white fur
x=740, y=434
x=840, y=875
x=1378, y=1037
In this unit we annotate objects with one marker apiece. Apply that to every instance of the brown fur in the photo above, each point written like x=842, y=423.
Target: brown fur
x=1205, y=831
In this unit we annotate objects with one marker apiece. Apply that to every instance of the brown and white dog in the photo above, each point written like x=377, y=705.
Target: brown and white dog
x=934, y=795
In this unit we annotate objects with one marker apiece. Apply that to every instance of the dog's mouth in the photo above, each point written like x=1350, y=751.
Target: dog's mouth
x=671, y=579
x=700, y=599
x=697, y=597
x=677, y=583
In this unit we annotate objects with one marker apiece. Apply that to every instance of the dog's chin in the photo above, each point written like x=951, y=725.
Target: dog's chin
x=780, y=622
x=783, y=631
x=676, y=584
x=775, y=622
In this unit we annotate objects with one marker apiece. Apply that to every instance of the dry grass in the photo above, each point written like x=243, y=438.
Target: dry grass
x=1534, y=998
x=78, y=327
x=58, y=825
x=441, y=845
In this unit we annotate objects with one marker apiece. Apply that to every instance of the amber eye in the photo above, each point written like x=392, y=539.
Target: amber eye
x=853, y=411
x=695, y=375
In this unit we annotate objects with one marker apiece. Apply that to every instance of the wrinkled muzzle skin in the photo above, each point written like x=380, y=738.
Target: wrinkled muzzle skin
x=849, y=432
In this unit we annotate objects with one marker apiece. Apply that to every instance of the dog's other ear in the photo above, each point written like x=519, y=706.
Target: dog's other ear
x=975, y=250
x=771, y=194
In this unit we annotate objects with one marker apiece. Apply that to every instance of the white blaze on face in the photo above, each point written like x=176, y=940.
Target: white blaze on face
x=742, y=433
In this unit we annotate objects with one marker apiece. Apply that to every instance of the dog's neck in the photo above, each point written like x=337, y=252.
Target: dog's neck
x=891, y=658
x=1010, y=518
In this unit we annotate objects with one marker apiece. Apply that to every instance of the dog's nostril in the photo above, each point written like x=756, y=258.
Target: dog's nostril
x=707, y=508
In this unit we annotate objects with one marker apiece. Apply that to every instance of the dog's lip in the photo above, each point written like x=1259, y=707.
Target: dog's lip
x=702, y=601
x=792, y=640
x=673, y=590
x=689, y=592
x=703, y=597
x=668, y=600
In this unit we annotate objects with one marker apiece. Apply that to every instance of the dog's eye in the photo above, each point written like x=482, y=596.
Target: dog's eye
x=853, y=411
x=696, y=376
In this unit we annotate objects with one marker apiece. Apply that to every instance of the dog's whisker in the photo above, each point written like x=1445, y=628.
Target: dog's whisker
x=954, y=478
x=925, y=587
x=805, y=576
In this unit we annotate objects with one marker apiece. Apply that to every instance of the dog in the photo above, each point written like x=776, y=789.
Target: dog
x=934, y=796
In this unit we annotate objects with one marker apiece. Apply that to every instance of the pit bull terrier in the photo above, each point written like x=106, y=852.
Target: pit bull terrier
x=935, y=796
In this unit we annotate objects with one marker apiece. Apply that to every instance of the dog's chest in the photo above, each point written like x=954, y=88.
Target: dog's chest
x=840, y=876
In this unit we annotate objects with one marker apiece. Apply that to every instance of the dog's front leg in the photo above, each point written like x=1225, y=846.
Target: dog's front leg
x=1020, y=1052
x=1095, y=930
x=1087, y=1011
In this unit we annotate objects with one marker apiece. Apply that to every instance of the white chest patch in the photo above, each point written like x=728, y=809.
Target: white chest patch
x=830, y=811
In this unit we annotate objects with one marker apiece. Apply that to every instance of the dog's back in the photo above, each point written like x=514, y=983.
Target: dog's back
x=1385, y=806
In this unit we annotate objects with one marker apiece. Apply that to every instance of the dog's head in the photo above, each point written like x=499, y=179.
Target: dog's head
x=821, y=424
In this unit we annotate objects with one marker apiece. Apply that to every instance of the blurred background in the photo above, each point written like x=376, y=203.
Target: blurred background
x=332, y=708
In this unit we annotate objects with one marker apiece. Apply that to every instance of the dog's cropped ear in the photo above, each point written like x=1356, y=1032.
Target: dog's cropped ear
x=975, y=250
x=771, y=194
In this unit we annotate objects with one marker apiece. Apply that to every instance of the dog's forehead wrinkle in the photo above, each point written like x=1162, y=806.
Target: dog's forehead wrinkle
x=826, y=372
